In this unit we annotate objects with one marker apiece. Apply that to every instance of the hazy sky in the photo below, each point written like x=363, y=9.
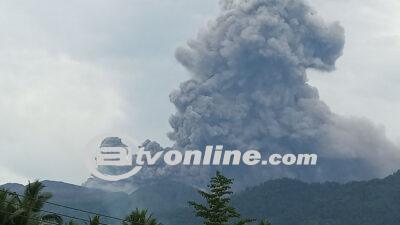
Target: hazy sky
x=71, y=70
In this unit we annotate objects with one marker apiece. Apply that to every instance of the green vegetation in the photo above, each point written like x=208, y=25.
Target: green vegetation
x=265, y=222
x=217, y=210
x=26, y=210
x=71, y=222
x=140, y=217
x=95, y=220
x=282, y=201
x=292, y=202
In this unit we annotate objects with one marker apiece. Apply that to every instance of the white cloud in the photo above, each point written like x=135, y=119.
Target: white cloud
x=73, y=70
x=7, y=176
x=51, y=105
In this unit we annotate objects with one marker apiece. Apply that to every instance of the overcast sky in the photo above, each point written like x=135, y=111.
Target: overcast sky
x=71, y=70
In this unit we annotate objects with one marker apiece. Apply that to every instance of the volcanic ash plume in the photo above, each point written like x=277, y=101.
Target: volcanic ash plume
x=249, y=91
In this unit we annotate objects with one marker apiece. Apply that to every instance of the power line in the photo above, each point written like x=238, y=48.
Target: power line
x=59, y=214
x=85, y=211
x=31, y=218
x=68, y=207
x=72, y=208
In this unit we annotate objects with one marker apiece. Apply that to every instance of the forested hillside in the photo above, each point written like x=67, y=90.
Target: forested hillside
x=282, y=201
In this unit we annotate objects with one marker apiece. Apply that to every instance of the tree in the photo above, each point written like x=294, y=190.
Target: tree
x=26, y=209
x=31, y=204
x=95, y=220
x=265, y=222
x=71, y=222
x=8, y=205
x=139, y=217
x=217, y=211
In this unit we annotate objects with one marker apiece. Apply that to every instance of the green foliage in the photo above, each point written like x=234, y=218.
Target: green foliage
x=217, y=211
x=8, y=205
x=282, y=201
x=292, y=202
x=71, y=222
x=265, y=222
x=26, y=210
x=95, y=220
x=140, y=217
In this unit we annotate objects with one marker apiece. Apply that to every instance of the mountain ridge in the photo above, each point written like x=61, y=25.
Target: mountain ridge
x=284, y=201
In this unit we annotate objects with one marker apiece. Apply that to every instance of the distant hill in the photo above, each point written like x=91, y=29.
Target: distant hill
x=164, y=199
x=292, y=202
x=13, y=186
x=283, y=201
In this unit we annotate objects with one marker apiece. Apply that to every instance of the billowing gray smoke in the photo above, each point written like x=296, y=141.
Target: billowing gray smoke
x=249, y=82
x=249, y=91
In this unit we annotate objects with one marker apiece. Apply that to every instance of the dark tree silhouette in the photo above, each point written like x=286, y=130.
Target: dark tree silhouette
x=218, y=211
x=140, y=217
x=26, y=209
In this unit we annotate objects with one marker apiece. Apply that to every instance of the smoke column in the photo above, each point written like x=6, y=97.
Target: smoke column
x=249, y=90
